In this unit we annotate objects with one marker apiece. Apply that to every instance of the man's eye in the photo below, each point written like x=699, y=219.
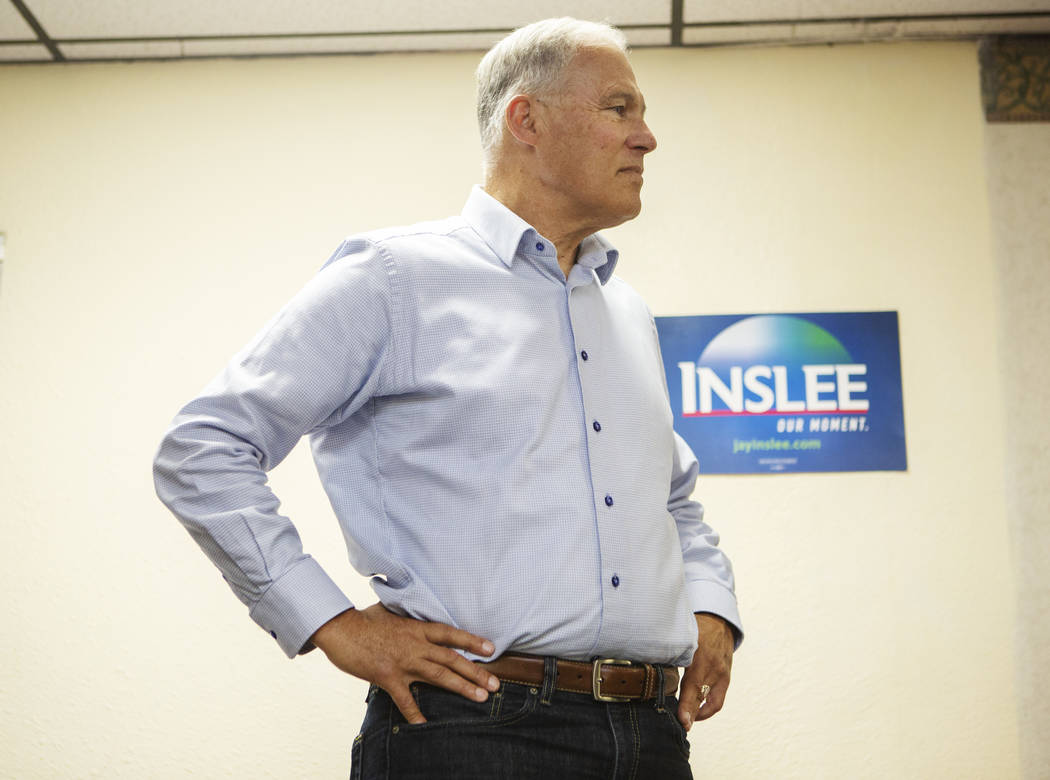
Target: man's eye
x=621, y=110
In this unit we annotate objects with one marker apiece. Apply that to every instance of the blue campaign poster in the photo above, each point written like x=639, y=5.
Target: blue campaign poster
x=762, y=393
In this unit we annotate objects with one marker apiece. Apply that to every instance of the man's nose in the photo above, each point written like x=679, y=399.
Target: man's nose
x=644, y=140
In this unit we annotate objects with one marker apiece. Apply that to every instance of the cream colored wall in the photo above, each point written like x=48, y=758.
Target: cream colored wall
x=157, y=214
x=1019, y=185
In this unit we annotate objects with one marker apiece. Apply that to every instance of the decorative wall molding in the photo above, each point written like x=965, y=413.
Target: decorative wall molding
x=1015, y=78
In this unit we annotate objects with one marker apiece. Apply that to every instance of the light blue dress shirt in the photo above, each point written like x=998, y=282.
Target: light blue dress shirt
x=495, y=439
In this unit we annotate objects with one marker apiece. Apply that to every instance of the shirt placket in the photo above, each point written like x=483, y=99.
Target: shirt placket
x=585, y=315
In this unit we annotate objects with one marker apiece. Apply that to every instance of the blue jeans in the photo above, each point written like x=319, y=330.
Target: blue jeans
x=521, y=732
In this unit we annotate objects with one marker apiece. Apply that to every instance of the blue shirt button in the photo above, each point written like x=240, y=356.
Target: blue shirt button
x=596, y=425
x=584, y=354
x=539, y=246
x=608, y=501
x=616, y=580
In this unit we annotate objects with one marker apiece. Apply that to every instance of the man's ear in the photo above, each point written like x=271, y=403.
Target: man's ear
x=521, y=118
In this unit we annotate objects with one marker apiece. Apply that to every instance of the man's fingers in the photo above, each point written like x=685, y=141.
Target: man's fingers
x=689, y=695
x=406, y=703
x=447, y=636
x=466, y=669
x=444, y=677
x=443, y=638
x=714, y=700
x=702, y=694
x=687, y=705
x=696, y=704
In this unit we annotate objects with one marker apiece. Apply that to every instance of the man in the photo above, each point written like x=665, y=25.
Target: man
x=488, y=414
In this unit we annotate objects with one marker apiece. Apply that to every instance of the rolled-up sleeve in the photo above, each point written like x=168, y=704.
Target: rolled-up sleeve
x=317, y=362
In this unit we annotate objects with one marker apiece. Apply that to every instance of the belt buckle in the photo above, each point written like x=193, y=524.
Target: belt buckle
x=596, y=679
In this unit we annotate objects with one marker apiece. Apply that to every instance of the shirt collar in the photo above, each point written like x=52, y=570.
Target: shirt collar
x=505, y=232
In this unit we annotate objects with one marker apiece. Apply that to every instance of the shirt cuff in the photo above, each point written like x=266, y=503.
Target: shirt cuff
x=713, y=597
x=298, y=603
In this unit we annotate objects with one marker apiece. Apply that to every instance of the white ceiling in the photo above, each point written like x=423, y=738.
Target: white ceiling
x=94, y=30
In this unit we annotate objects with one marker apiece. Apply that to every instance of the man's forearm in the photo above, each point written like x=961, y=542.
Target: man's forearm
x=215, y=486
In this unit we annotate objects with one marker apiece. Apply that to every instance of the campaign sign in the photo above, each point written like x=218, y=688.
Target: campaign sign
x=759, y=393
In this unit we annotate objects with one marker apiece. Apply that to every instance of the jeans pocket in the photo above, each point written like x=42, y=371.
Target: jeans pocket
x=444, y=709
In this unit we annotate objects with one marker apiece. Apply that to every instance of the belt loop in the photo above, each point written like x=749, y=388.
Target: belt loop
x=550, y=678
x=659, y=688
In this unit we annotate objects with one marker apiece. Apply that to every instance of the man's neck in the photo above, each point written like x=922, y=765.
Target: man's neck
x=543, y=211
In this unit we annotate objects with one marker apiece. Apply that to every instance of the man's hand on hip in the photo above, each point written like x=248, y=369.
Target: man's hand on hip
x=392, y=652
x=710, y=669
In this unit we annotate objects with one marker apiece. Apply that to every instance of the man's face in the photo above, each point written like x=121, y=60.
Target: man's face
x=596, y=138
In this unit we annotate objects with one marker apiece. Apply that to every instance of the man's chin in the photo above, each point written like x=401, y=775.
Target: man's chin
x=613, y=221
x=632, y=209
x=624, y=211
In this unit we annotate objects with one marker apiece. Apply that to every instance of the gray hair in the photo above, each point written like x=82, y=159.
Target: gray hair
x=529, y=61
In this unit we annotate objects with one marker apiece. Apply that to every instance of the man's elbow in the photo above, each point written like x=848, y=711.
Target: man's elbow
x=172, y=469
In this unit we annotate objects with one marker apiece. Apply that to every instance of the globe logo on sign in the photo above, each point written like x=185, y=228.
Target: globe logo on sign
x=773, y=338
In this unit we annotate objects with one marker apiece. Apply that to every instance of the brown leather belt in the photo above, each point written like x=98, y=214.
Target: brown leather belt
x=606, y=679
